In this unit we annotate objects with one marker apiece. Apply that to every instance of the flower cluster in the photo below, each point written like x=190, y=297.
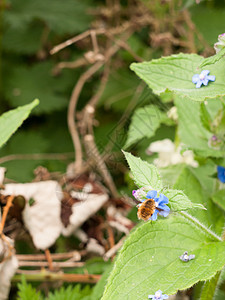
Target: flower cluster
x=221, y=43
x=215, y=142
x=169, y=154
x=203, y=78
x=158, y=296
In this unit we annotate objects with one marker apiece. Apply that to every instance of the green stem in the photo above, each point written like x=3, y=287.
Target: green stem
x=201, y=226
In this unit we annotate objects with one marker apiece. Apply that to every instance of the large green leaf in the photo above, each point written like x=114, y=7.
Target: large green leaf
x=145, y=174
x=71, y=17
x=174, y=73
x=37, y=81
x=11, y=120
x=144, y=123
x=149, y=260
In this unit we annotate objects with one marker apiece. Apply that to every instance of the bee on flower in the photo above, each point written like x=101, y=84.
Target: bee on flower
x=151, y=205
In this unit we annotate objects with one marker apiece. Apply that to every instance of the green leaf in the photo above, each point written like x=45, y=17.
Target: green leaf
x=219, y=198
x=25, y=40
x=178, y=201
x=174, y=73
x=144, y=123
x=205, y=117
x=13, y=119
x=71, y=292
x=191, y=130
x=100, y=286
x=145, y=174
x=204, y=15
x=213, y=59
x=198, y=193
x=22, y=143
x=24, y=83
x=171, y=173
x=68, y=18
x=27, y=292
x=149, y=260
x=209, y=288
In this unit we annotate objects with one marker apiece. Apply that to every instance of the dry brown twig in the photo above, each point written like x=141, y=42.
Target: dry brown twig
x=5, y=213
x=71, y=114
x=73, y=102
x=55, y=256
x=54, y=265
x=49, y=156
x=44, y=275
x=93, y=151
x=49, y=259
x=113, y=250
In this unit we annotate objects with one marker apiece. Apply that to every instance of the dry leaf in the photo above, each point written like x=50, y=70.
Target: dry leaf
x=41, y=214
x=89, y=204
x=2, y=174
x=8, y=267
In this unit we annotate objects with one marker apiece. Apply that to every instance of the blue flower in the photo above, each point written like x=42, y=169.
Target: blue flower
x=160, y=204
x=221, y=173
x=203, y=78
x=158, y=296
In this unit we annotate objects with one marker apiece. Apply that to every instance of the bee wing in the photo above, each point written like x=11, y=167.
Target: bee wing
x=192, y=256
x=130, y=201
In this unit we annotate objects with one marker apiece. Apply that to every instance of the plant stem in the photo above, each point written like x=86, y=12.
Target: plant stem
x=49, y=276
x=5, y=212
x=200, y=225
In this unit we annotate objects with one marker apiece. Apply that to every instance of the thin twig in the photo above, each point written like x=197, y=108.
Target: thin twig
x=73, y=254
x=113, y=250
x=49, y=259
x=63, y=264
x=49, y=276
x=5, y=212
x=125, y=46
x=71, y=113
x=93, y=152
x=110, y=236
x=47, y=156
x=75, y=39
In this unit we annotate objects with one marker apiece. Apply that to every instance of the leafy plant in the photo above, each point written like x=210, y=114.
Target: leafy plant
x=155, y=257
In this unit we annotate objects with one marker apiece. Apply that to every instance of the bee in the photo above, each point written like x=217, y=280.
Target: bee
x=146, y=209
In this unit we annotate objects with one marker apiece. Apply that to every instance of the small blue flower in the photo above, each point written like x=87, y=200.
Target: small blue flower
x=158, y=296
x=203, y=78
x=221, y=173
x=160, y=204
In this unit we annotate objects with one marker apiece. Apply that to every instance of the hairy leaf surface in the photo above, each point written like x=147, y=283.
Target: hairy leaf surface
x=149, y=260
x=174, y=73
